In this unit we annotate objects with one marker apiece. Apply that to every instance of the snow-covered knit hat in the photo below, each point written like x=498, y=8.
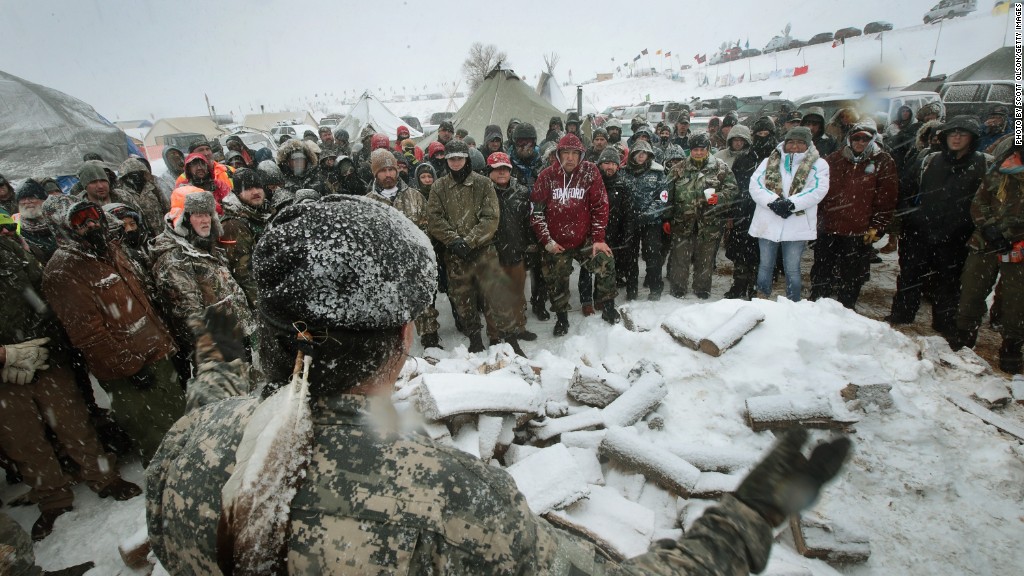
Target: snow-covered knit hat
x=346, y=263
x=380, y=159
x=801, y=133
x=91, y=171
x=456, y=149
x=609, y=155
x=31, y=188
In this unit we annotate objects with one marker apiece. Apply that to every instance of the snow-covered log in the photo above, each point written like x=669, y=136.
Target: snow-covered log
x=816, y=537
x=727, y=335
x=442, y=395
x=789, y=410
x=134, y=550
x=715, y=459
x=993, y=393
x=1017, y=389
x=490, y=430
x=622, y=528
x=657, y=464
x=548, y=428
x=714, y=484
x=682, y=333
x=589, y=465
x=595, y=387
x=518, y=452
x=549, y=479
x=971, y=407
x=584, y=438
x=636, y=402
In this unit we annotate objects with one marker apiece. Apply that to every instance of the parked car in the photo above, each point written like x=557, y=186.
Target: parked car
x=777, y=43
x=975, y=96
x=332, y=120
x=750, y=53
x=821, y=38
x=633, y=111
x=844, y=33
x=181, y=140
x=413, y=122
x=751, y=111
x=876, y=27
x=437, y=117
x=883, y=107
x=950, y=9
x=253, y=140
x=293, y=130
x=796, y=44
x=666, y=112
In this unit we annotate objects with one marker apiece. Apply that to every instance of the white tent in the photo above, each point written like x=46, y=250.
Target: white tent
x=549, y=90
x=182, y=124
x=369, y=110
x=44, y=132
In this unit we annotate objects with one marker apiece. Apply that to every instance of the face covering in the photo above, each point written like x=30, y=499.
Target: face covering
x=97, y=240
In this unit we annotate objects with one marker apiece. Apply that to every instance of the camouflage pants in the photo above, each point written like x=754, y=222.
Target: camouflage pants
x=25, y=412
x=426, y=323
x=700, y=249
x=558, y=268
x=481, y=276
x=978, y=278
x=16, y=555
x=147, y=411
x=516, y=274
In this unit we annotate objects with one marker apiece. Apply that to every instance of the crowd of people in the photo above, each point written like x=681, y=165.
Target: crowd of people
x=114, y=278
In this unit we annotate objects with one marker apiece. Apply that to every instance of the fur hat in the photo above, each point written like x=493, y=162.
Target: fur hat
x=200, y=203
x=801, y=133
x=380, y=159
x=31, y=189
x=348, y=262
x=524, y=130
x=91, y=171
x=699, y=140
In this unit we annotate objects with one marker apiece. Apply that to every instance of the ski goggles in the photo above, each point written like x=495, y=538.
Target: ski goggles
x=84, y=215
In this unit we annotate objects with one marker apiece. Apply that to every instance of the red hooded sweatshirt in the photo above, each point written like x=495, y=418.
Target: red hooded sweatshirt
x=570, y=209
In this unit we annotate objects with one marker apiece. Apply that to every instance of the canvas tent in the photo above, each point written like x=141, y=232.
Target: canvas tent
x=265, y=122
x=997, y=65
x=369, y=110
x=549, y=89
x=197, y=124
x=45, y=132
x=501, y=97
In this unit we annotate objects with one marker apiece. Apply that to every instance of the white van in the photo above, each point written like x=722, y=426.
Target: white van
x=775, y=44
x=950, y=9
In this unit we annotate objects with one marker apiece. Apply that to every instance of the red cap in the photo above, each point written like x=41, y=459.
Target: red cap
x=403, y=130
x=379, y=141
x=434, y=148
x=497, y=159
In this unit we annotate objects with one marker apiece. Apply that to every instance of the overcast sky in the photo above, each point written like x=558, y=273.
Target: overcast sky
x=147, y=58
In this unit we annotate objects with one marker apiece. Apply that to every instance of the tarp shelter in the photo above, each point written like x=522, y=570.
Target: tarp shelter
x=369, y=110
x=265, y=122
x=197, y=124
x=501, y=97
x=45, y=132
x=997, y=65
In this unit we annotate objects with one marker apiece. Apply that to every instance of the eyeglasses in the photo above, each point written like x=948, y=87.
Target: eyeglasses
x=82, y=217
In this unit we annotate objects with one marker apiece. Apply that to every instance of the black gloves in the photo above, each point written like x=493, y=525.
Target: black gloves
x=783, y=207
x=994, y=240
x=222, y=326
x=786, y=482
x=460, y=249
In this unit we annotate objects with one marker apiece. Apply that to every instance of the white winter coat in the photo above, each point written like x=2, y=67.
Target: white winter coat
x=803, y=224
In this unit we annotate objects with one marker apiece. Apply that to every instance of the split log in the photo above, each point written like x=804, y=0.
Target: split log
x=788, y=411
x=490, y=429
x=636, y=402
x=629, y=320
x=548, y=428
x=134, y=551
x=816, y=537
x=584, y=438
x=682, y=333
x=518, y=452
x=595, y=387
x=443, y=395
x=657, y=464
x=714, y=484
x=877, y=394
x=993, y=393
x=622, y=528
x=723, y=459
x=438, y=431
x=971, y=407
x=549, y=479
x=727, y=335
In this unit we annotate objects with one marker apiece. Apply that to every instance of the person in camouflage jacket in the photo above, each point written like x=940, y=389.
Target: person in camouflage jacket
x=136, y=178
x=246, y=215
x=701, y=189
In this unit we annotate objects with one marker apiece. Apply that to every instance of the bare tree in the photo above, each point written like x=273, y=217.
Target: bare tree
x=481, y=60
x=551, y=62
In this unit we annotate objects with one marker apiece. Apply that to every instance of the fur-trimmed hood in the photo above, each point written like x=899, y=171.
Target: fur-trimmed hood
x=292, y=146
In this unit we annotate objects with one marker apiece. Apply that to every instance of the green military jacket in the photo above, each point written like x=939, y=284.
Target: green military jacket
x=469, y=211
x=999, y=202
x=689, y=211
x=243, y=225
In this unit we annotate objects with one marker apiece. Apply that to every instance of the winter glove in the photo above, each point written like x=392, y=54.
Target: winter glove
x=713, y=199
x=779, y=207
x=994, y=239
x=460, y=249
x=871, y=236
x=24, y=359
x=666, y=227
x=222, y=326
x=786, y=482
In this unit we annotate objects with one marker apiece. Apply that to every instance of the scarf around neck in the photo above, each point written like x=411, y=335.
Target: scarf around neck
x=773, y=171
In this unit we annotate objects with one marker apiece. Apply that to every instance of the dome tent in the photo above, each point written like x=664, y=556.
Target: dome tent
x=45, y=132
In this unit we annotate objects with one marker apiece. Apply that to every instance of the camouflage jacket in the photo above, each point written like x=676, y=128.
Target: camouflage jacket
x=408, y=201
x=468, y=211
x=151, y=202
x=689, y=211
x=243, y=225
x=999, y=202
x=378, y=502
x=189, y=279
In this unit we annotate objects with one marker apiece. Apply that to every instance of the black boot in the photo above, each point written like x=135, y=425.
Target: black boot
x=44, y=525
x=514, y=343
x=961, y=338
x=120, y=490
x=1010, y=358
x=476, y=343
x=562, y=325
x=77, y=570
x=738, y=290
x=431, y=341
x=609, y=314
x=540, y=311
x=526, y=336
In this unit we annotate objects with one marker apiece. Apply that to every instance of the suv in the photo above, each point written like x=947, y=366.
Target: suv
x=844, y=33
x=413, y=122
x=633, y=111
x=666, y=112
x=975, y=96
x=775, y=44
x=437, y=117
x=751, y=111
x=820, y=38
x=294, y=130
x=950, y=9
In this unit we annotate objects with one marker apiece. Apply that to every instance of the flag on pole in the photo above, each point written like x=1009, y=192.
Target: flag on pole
x=703, y=58
x=644, y=52
x=637, y=57
x=697, y=58
x=668, y=54
x=658, y=52
x=747, y=46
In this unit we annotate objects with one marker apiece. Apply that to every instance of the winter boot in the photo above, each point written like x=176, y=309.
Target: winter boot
x=526, y=336
x=476, y=343
x=514, y=343
x=703, y=295
x=1010, y=357
x=540, y=311
x=120, y=489
x=654, y=296
x=77, y=570
x=44, y=525
x=609, y=314
x=961, y=338
x=562, y=325
x=588, y=309
x=431, y=341
x=738, y=290
x=631, y=294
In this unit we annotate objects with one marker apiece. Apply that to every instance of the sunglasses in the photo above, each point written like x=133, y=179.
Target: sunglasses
x=82, y=217
x=10, y=227
x=860, y=139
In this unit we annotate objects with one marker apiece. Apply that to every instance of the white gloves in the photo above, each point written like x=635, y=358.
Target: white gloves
x=24, y=359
